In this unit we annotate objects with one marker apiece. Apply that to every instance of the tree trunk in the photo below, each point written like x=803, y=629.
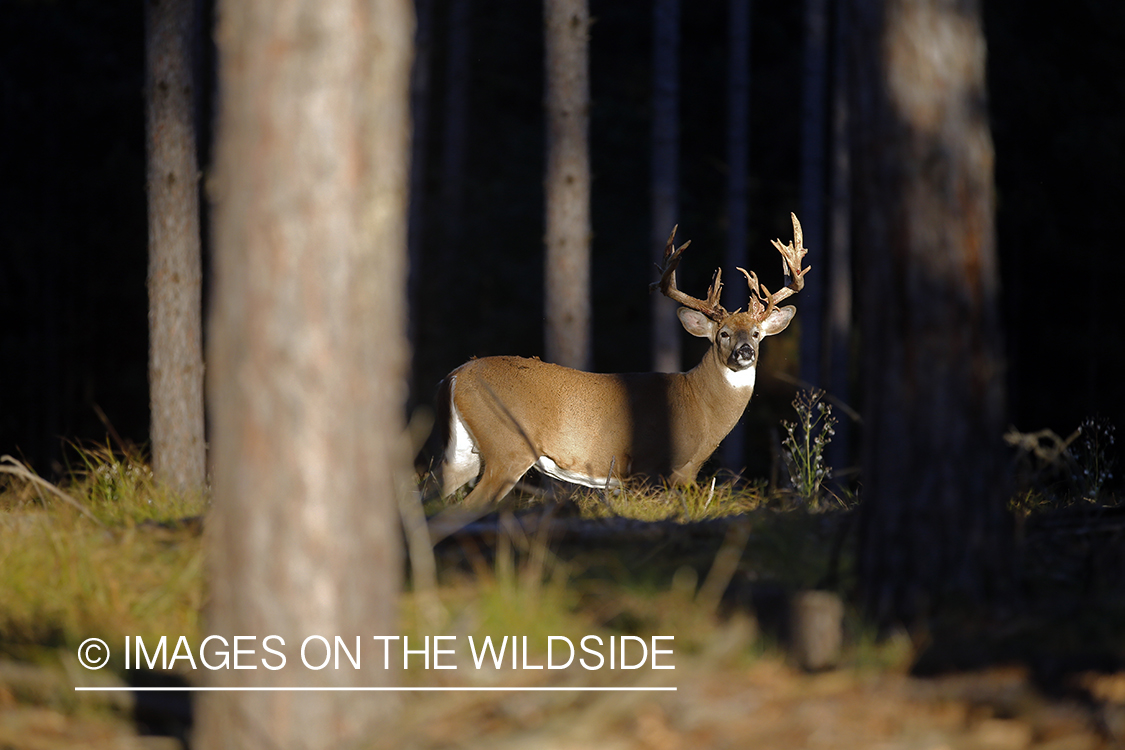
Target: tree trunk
x=933, y=525
x=175, y=361
x=738, y=176
x=307, y=361
x=813, y=128
x=838, y=331
x=666, y=326
x=455, y=120
x=567, y=283
x=417, y=211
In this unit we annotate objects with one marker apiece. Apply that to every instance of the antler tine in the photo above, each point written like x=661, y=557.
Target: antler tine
x=762, y=301
x=793, y=254
x=755, y=307
x=667, y=284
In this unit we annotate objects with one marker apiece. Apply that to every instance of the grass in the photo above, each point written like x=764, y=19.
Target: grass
x=693, y=502
x=116, y=560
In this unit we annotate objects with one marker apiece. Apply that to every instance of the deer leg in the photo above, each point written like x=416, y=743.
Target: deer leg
x=497, y=481
x=453, y=476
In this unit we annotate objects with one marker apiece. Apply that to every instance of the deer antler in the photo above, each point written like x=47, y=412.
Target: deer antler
x=667, y=284
x=762, y=302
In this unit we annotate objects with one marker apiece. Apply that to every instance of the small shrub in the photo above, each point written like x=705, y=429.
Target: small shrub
x=808, y=437
x=1059, y=471
x=1093, y=456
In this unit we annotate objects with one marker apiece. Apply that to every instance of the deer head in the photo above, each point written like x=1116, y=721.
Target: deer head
x=736, y=335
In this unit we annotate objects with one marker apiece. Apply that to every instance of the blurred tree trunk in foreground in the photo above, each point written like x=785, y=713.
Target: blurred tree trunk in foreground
x=666, y=326
x=175, y=360
x=933, y=528
x=307, y=359
x=567, y=185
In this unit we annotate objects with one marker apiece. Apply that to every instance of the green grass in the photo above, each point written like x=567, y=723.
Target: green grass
x=114, y=559
x=692, y=502
x=108, y=553
x=117, y=558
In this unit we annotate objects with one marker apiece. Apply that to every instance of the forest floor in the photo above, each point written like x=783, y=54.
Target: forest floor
x=763, y=704
x=718, y=571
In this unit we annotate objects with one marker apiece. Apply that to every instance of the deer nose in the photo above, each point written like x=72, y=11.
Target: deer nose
x=743, y=355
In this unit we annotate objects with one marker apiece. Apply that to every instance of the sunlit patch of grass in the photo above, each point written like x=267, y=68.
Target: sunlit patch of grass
x=137, y=569
x=1027, y=502
x=871, y=653
x=526, y=590
x=682, y=607
x=133, y=568
x=120, y=488
x=690, y=502
x=523, y=592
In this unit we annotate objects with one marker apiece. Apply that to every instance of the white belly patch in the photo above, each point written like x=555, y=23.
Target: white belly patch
x=550, y=468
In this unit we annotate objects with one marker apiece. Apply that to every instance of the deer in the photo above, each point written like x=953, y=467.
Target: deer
x=596, y=429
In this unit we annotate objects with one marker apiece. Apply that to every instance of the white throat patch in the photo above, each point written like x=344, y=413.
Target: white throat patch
x=742, y=379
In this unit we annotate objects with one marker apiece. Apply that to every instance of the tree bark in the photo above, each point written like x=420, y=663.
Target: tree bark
x=838, y=321
x=666, y=349
x=175, y=363
x=738, y=176
x=418, y=206
x=814, y=88
x=455, y=121
x=567, y=282
x=307, y=357
x=933, y=525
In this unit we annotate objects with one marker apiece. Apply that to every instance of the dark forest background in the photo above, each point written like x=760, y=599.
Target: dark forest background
x=73, y=238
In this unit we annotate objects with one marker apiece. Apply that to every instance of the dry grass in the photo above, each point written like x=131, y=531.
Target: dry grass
x=693, y=502
x=117, y=560
x=126, y=564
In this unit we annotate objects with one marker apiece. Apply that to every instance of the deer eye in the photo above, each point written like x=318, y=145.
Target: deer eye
x=755, y=334
x=724, y=334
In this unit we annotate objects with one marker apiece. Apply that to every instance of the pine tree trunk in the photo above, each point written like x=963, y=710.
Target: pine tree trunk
x=738, y=176
x=418, y=210
x=933, y=526
x=813, y=129
x=175, y=365
x=455, y=121
x=838, y=320
x=567, y=283
x=666, y=356
x=307, y=360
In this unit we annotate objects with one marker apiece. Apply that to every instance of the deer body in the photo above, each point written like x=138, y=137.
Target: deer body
x=512, y=414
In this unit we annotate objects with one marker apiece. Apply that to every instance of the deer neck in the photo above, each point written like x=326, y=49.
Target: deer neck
x=720, y=389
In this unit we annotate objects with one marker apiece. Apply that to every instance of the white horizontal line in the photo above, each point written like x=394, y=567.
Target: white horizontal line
x=120, y=689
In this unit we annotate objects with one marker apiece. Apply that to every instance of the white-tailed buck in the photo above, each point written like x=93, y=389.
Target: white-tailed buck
x=592, y=429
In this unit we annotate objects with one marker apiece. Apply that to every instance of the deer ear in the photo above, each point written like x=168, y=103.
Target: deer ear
x=696, y=323
x=778, y=320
